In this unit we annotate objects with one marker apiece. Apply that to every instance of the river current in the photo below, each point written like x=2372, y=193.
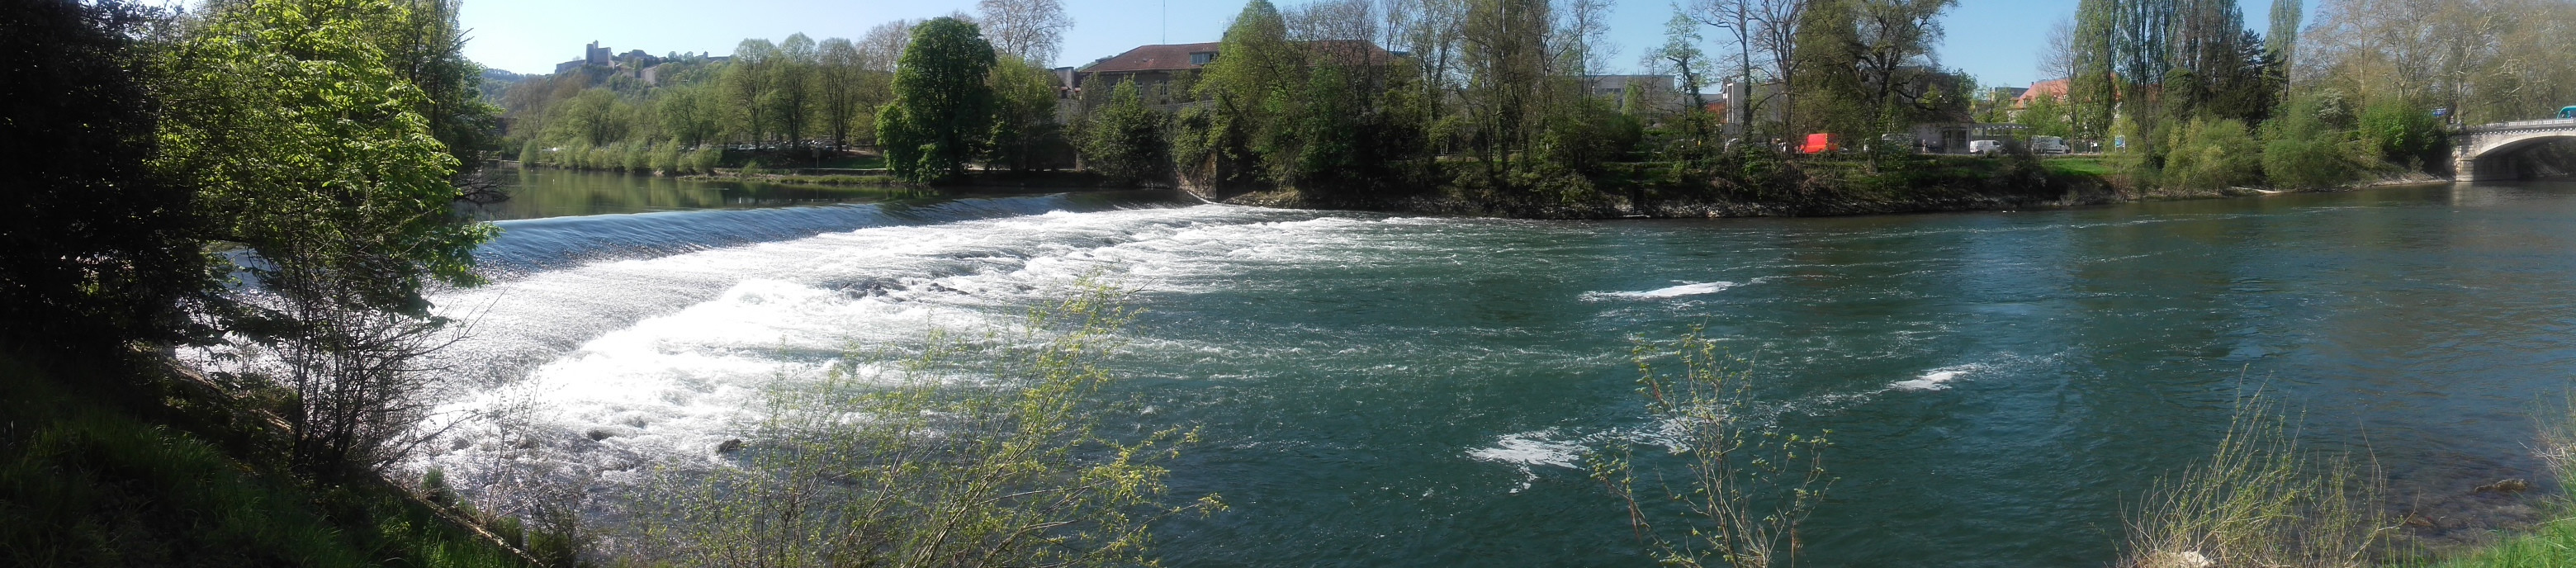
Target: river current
x=1383, y=390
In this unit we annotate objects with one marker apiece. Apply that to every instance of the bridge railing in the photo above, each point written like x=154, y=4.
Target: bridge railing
x=2521, y=124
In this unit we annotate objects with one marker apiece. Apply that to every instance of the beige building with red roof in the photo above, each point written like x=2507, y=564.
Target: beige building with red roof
x=1161, y=72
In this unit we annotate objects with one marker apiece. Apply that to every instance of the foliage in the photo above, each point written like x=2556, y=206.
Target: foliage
x=1025, y=134
x=1746, y=485
x=97, y=251
x=2308, y=145
x=943, y=108
x=1127, y=141
x=2212, y=154
x=184, y=482
x=897, y=462
x=2260, y=500
x=2405, y=133
x=305, y=153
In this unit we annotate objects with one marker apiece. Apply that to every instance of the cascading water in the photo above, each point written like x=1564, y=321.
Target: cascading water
x=1382, y=390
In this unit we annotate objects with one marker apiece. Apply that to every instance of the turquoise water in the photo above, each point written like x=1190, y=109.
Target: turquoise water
x=1388, y=390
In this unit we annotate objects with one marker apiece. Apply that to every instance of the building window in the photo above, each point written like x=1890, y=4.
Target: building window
x=1202, y=58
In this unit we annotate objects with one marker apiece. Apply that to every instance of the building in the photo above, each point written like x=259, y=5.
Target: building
x=1154, y=68
x=1657, y=92
x=2052, y=88
x=1161, y=72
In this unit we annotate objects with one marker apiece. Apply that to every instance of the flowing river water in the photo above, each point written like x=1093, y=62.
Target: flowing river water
x=1387, y=390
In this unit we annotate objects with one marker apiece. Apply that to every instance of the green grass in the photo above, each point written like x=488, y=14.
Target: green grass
x=87, y=479
x=2077, y=166
x=2551, y=545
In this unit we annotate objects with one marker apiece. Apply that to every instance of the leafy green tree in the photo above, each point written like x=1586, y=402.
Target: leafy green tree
x=943, y=107
x=792, y=100
x=1025, y=132
x=691, y=114
x=749, y=84
x=425, y=46
x=1127, y=141
x=305, y=152
x=96, y=251
x=839, y=80
x=1250, y=84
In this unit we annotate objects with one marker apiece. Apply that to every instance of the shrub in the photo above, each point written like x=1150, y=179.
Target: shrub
x=2208, y=154
x=1127, y=142
x=2307, y=144
x=2260, y=500
x=2404, y=133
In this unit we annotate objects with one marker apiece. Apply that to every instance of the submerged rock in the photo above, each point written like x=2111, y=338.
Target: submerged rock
x=2506, y=486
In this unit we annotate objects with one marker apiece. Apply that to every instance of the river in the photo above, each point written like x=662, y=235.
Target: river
x=1380, y=390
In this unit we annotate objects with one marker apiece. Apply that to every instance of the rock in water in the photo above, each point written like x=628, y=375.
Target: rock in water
x=2506, y=486
x=729, y=446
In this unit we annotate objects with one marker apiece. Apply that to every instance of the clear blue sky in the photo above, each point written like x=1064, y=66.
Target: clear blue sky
x=1998, y=41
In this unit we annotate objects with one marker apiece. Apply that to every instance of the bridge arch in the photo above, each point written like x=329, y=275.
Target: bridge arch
x=2507, y=150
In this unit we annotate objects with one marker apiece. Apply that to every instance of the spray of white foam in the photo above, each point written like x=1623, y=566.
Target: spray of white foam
x=1527, y=450
x=1669, y=292
x=1936, y=379
x=617, y=364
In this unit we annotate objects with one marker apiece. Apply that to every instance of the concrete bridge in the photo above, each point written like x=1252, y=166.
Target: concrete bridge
x=2503, y=150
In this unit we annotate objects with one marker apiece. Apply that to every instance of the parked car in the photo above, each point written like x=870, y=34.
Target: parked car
x=2048, y=145
x=1985, y=147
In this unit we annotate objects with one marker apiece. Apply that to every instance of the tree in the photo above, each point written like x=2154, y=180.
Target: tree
x=748, y=82
x=2093, y=86
x=1508, y=67
x=1030, y=30
x=426, y=47
x=943, y=106
x=1680, y=55
x=691, y=114
x=1126, y=141
x=792, y=73
x=305, y=151
x=1024, y=126
x=97, y=250
x=1250, y=85
x=841, y=79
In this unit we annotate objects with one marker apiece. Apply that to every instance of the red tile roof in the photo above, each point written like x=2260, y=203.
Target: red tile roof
x=1151, y=58
x=2053, y=88
x=1176, y=57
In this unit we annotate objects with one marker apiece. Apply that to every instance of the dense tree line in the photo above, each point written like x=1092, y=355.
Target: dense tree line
x=798, y=101
x=2190, y=96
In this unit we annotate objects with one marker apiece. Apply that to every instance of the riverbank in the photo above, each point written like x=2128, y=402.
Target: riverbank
x=1950, y=184
x=136, y=463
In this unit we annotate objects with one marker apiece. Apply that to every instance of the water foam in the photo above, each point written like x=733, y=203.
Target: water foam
x=1689, y=289
x=613, y=363
x=1936, y=379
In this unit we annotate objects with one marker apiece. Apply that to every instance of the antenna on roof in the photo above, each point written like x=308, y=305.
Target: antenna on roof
x=1166, y=8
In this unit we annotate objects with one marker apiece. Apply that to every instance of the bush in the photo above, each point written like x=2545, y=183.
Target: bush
x=2208, y=154
x=1128, y=142
x=2404, y=133
x=2309, y=144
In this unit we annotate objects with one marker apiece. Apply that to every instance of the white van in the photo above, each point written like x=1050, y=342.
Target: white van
x=1985, y=147
x=2048, y=145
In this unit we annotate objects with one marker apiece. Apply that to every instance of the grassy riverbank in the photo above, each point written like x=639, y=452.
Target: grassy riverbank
x=1822, y=187
x=109, y=464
